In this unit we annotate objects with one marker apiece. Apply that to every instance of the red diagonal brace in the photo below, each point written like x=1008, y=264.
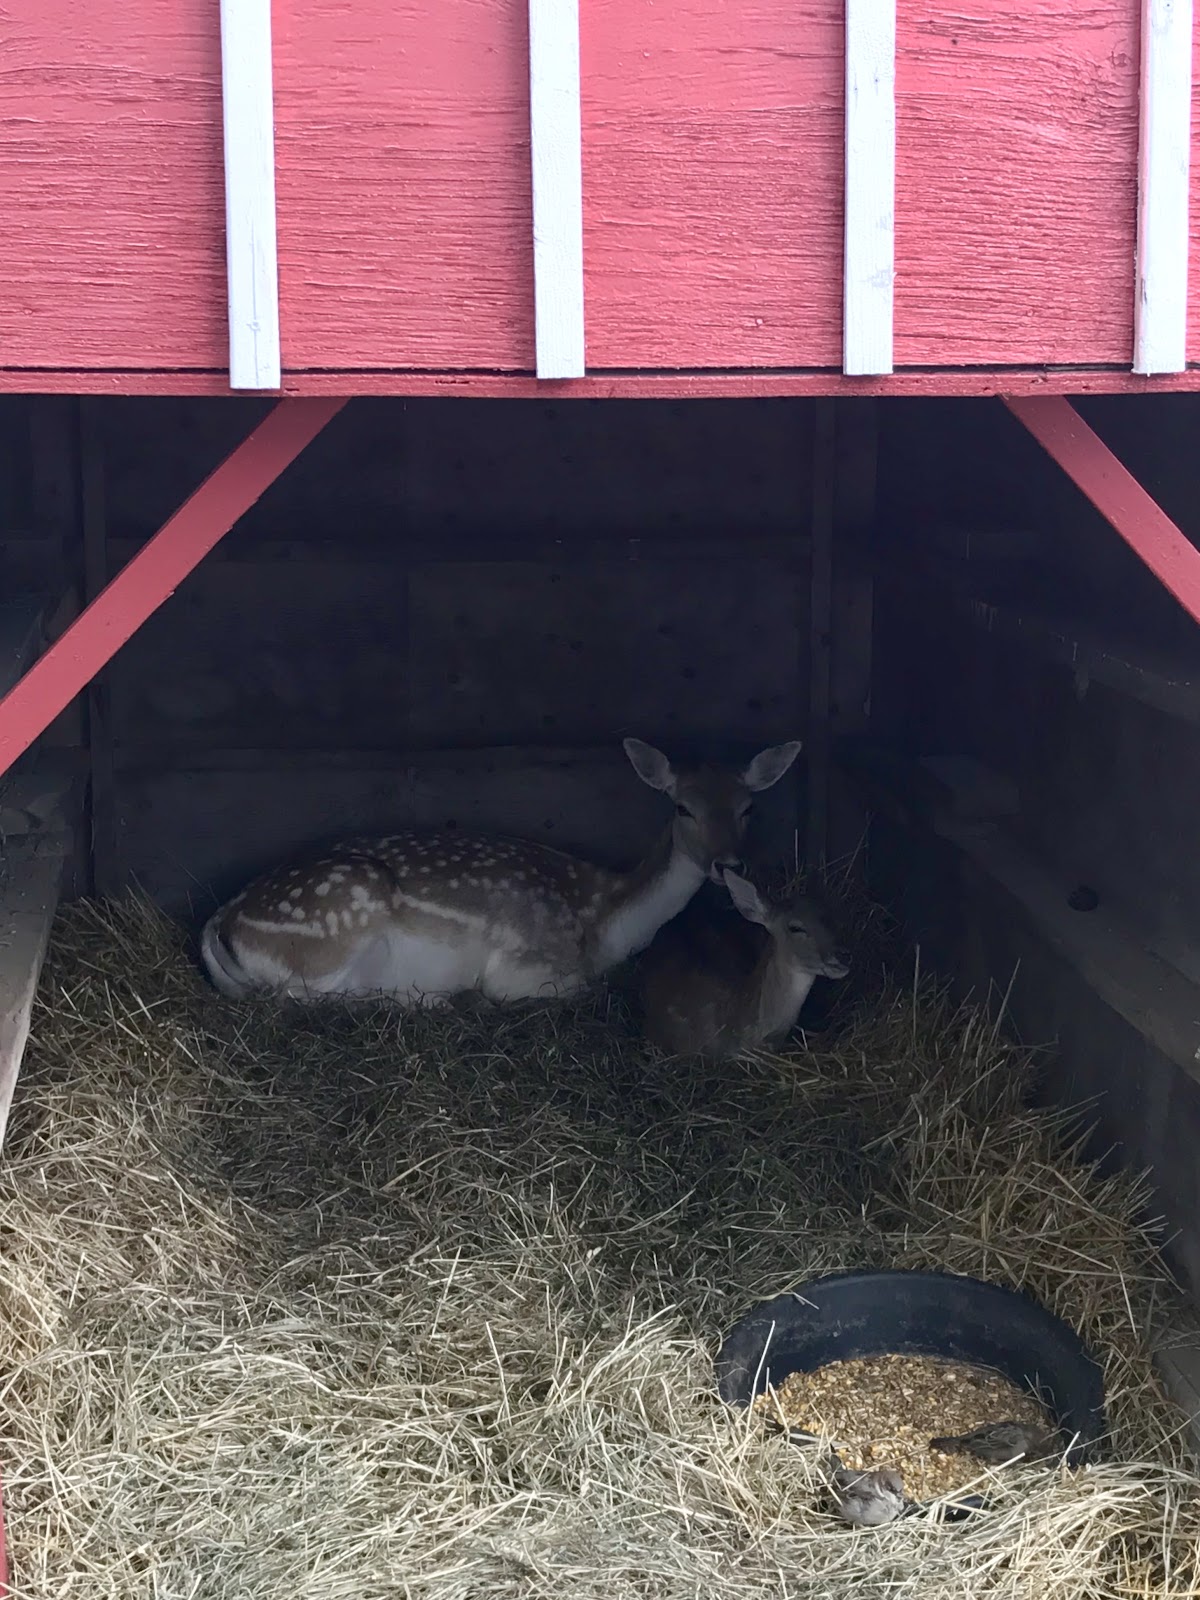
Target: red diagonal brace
x=1115, y=493
x=157, y=570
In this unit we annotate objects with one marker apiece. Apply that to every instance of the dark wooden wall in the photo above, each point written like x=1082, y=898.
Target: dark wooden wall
x=454, y=611
x=1015, y=627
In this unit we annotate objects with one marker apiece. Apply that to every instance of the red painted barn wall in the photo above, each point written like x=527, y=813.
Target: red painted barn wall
x=403, y=183
x=111, y=185
x=712, y=143
x=1193, y=342
x=1016, y=180
x=712, y=147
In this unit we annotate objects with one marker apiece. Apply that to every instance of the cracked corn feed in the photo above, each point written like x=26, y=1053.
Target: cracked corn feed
x=883, y=1411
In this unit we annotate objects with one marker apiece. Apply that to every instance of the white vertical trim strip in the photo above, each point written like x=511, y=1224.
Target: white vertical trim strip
x=1165, y=137
x=250, y=249
x=870, y=249
x=557, y=147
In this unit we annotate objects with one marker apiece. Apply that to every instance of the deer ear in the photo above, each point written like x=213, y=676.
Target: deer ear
x=651, y=765
x=770, y=765
x=745, y=897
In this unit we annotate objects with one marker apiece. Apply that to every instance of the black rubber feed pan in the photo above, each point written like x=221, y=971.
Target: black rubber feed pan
x=853, y=1314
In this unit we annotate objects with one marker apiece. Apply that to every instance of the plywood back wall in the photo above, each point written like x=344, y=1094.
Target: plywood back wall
x=454, y=611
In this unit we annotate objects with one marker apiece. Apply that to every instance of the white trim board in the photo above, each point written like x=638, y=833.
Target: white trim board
x=870, y=188
x=557, y=154
x=1164, y=150
x=250, y=241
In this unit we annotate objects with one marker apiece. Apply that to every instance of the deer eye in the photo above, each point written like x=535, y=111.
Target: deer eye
x=795, y=927
x=744, y=811
x=682, y=811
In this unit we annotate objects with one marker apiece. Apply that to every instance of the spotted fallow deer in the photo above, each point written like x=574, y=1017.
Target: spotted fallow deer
x=420, y=917
x=707, y=993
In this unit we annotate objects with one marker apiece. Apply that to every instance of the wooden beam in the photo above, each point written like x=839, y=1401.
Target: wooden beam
x=106, y=875
x=870, y=184
x=1165, y=140
x=250, y=244
x=762, y=383
x=557, y=153
x=33, y=882
x=156, y=571
x=1115, y=493
x=852, y=624
x=820, y=623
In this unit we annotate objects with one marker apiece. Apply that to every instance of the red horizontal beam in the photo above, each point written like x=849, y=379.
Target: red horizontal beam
x=1115, y=492
x=156, y=571
x=690, y=385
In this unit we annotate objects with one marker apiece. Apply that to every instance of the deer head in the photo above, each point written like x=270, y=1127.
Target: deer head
x=797, y=929
x=712, y=804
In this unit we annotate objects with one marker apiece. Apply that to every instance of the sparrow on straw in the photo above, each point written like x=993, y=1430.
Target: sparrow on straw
x=999, y=1442
x=866, y=1499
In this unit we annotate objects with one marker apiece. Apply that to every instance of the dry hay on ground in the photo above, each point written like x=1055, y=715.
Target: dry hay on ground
x=364, y=1306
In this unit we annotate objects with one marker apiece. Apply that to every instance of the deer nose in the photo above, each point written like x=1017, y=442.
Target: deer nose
x=723, y=864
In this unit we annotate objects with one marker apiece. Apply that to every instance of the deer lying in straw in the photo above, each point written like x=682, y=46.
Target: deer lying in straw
x=707, y=993
x=420, y=917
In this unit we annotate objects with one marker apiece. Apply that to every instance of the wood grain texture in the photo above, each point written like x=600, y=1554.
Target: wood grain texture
x=712, y=151
x=870, y=231
x=1164, y=151
x=403, y=184
x=92, y=640
x=29, y=894
x=250, y=238
x=1117, y=494
x=401, y=480
x=1016, y=182
x=1193, y=337
x=592, y=651
x=682, y=385
x=252, y=650
x=111, y=185
x=557, y=186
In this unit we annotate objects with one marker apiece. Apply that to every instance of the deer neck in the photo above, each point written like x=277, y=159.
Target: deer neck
x=637, y=904
x=782, y=991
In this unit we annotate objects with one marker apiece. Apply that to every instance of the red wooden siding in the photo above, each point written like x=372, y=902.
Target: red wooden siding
x=712, y=151
x=713, y=182
x=1194, y=252
x=111, y=185
x=403, y=184
x=1016, y=180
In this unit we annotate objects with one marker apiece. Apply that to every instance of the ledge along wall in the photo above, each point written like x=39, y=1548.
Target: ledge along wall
x=1046, y=654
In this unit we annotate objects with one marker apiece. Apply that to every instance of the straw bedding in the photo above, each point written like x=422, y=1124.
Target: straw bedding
x=360, y=1305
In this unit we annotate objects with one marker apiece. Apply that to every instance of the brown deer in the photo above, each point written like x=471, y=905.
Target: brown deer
x=705, y=993
x=420, y=917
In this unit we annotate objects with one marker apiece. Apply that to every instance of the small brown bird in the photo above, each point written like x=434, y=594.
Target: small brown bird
x=867, y=1499
x=999, y=1442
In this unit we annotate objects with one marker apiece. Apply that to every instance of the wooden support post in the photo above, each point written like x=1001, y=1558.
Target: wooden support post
x=557, y=152
x=1164, y=151
x=870, y=187
x=156, y=571
x=106, y=874
x=250, y=243
x=817, y=742
x=853, y=618
x=1115, y=493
